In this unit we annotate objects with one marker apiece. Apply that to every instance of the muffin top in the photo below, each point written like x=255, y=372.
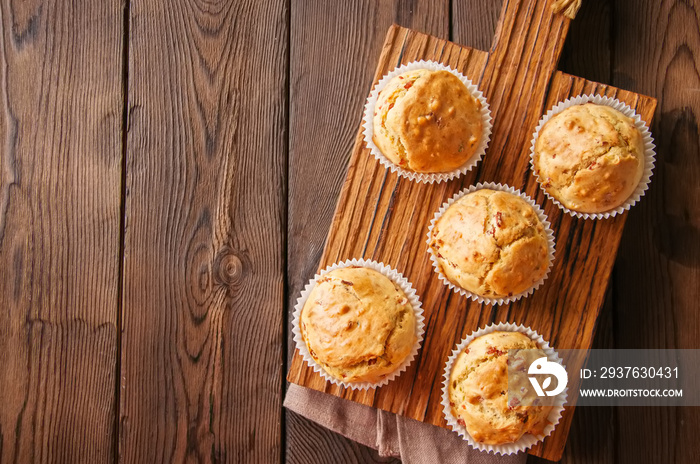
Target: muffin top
x=358, y=325
x=427, y=121
x=491, y=243
x=589, y=157
x=478, y=391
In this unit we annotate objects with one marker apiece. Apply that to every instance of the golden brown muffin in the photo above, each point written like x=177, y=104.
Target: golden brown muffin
x=478, y=391
x=358, y=325
x=491, y=243
x=589, y=157
x=427, y=121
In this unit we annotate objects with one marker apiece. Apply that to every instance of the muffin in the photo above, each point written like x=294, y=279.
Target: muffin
x=478, y=390
x=589, y=157
x=358, y=325
x=427, y=121
x=490, y=243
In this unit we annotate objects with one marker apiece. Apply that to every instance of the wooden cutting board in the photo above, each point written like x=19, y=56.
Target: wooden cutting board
x=384, y=217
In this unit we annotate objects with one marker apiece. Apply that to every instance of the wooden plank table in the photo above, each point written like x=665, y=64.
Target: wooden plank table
x=168, y=175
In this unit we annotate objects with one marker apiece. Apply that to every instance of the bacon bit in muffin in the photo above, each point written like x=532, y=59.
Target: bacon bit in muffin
x=346, y=282
x=513, y=403
x=391, y=105
x=408, y=85
x=494, y=350
x=499, y=219
x=461, y=422
x=372, y=362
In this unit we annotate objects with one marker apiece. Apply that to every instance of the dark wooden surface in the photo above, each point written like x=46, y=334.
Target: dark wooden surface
x=90, y=199
x=202, y=333
x=60, y=188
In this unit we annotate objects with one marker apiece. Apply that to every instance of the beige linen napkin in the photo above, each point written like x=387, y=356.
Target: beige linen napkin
x=390, y=434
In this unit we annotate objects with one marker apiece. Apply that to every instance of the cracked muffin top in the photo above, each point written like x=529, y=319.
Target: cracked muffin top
x=427, y=121
x=491, y=243
x=589, y=157
x=358, y=325
x=478, y=390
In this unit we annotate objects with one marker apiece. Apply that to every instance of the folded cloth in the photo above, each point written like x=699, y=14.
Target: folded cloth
x=390, y=434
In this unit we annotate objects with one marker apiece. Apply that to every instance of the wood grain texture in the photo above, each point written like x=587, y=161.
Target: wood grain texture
x=309, y=443
x=474, y=22
x=379, y=216
x=331, y=71
x=202, y=327
x=60, y=178
x=657, y=277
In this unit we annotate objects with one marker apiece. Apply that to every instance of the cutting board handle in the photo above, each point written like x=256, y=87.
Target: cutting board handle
x=529, y=31
x=524, y=56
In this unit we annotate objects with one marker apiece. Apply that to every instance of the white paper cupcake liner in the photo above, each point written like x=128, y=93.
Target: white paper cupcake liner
x=649, y=152
x=526, y=441
x=540, y=214
x=395, y=277
x=368, y=126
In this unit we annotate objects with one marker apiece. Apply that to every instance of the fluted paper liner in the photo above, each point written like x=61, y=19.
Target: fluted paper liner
x=395, y=277
x=368, y=126
x=540, y=214
x=526, y=441
x=649, y=152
